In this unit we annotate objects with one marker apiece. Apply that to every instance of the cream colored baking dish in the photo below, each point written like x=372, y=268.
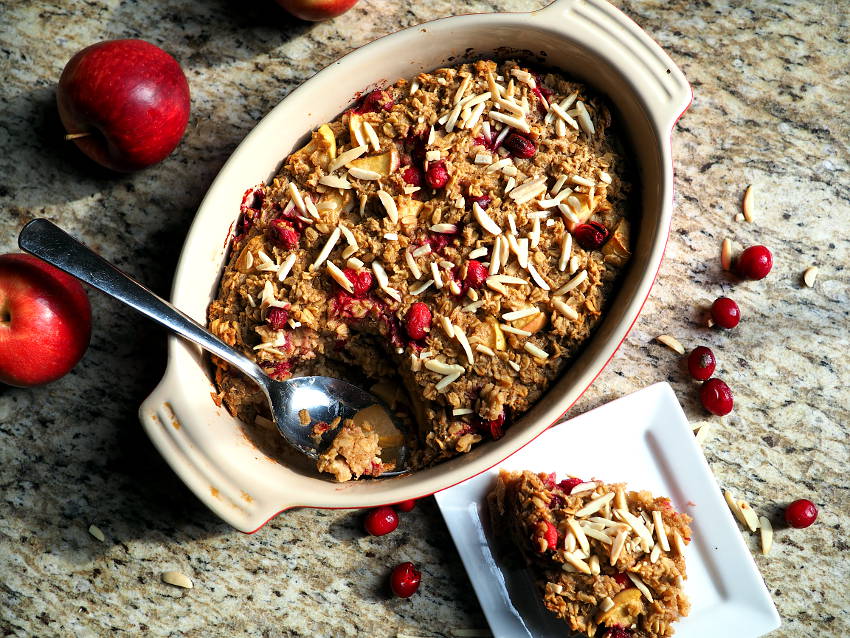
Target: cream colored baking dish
x=588, y=39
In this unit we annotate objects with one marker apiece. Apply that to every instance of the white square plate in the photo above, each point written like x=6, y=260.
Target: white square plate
x=645, y=440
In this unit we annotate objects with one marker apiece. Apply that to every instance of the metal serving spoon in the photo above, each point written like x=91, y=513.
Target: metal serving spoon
x=323, y=397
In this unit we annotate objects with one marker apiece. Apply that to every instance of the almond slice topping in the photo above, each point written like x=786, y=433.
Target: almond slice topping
x=573, y=283
x=580, y=536
x=440, y=367
x=766, y=530
x=566, y=250
x=286, y=267
x=517, y=331
x=389, y=205
x=326, y=250
x=560, y=306
x=349, y=237
x=537, y=277
x=579, y=564
x=640, y=585
x=411, y=263
x=747, y=205
x=595, y=505
x=346, y=157
x=478, y=252
x=660, y=530
x=513, y=122
x=373, y=137
x=508, y=279
x=418, y=290
x=484, y=220
x=460, y=335
x=339, y=276
x=617, y=546
x=364, y=174
x=520, y=314
x=448, y=328
x=334, y=181
x=437, y=275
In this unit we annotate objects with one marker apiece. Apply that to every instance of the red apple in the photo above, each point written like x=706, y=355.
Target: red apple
x=125, y=103
x=45, y=321
x=315, y=10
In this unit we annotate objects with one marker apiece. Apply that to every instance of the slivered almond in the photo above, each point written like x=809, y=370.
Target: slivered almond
x=573, y=283
x=389, y=204
x=671, y=342
x=581, y=488
x=478, y=252
x=582, y=181
x=597, y=534
x=418, y=290
x=640, y=585
x=441, y=367
x=339, y=276
x=354, y=263
x=595, y=505
x=296, y=198
x=520, y=314
x=579, y=564
x=349, y=237
x=516, y=331
x=660, y=530
x=535, y=351
x=495, y=259
x=522, y=252
x=346, y=157
x=655, y=553
x=448, y=328
x=726, y=254
x=334, y=181
x=508, y=279
x=462, y=411
x=747, y=205
x=752, y=521
x=513, y=122
x=732, y=502
x=605, y=604
x=537, y=277
x=443, y=228
x=460, y=335
x=364, y=174
x=617, y=546
x=766, y=530
x=584, y=120
x=177, y=579
x=411, y=264
x=286, y=267
x=810, y=275
x=480, y=347
x=437, y=275
x=484, y=220
x=95, y=531
x=580, y=536
x=446, y=381
x=560, y=306
x=326, y=250
x=593, y=563
x=566, y=250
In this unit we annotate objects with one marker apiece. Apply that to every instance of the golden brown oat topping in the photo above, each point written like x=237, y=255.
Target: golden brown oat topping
x=479, y=192
x=602, y=557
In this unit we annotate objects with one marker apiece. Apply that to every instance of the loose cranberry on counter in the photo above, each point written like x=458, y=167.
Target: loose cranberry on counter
x=725, y=312
x=418, y=321
x=716, y=397
x=755, y=262
x=277, y=318
x=404, y=581
x=551, y=536
x=437, y=174
x=381, y=520
x=476, y=274
x=405, y=506
x=519, y=146
x=701, y=363
x=591, y=236
x=801, y=513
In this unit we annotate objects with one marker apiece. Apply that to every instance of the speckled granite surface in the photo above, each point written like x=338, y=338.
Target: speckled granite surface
x=770, y=89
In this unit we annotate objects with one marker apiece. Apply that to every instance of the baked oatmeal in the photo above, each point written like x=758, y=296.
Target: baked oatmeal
x=353, y=452
x=458, y=235
x=607, y=561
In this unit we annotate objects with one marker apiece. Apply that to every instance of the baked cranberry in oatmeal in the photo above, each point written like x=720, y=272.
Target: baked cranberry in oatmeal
x=604, y=559
x=425, y=239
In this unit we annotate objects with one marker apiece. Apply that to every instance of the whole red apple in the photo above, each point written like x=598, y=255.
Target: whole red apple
x=315, y=10
x=45, y=321
x=125, y=103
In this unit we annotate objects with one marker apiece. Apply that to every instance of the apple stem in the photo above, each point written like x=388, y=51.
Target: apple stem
x=73, y=136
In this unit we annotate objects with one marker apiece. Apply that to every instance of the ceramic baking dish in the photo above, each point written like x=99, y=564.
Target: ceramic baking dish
x=588, y=39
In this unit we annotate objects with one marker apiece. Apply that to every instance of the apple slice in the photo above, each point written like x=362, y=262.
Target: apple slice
x=389, y=436
x=407, y=206
x=338, y=200
x=323, y=140
x=384, y=164
x=534, y=322
x=616, y=249
x=496, y=340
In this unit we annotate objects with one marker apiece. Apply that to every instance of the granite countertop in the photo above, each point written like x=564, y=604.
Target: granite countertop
x=771, y=89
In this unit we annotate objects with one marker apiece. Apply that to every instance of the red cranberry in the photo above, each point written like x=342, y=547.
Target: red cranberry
x=801, y=513
x=277, y=318
x=437, y=175
x=725, y=312
x=701, y=363
x=549, y=481
x=404, y=581
x=755, y=262
x=519, y=146
x=476, y=274
x=361, y=281
x=551, y=536
x=405, y=506
x=374, y=102
x=590, y=236
x=493, y=427
x=287, y=236
x=716, y=397
x=568, y=484
x=418, y=321
x=280, y=371
x=381, y=520
x=618, y=632
x=482, y=200
x=412, y=176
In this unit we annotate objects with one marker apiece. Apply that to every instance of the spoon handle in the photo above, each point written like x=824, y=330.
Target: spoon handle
x=47, y=241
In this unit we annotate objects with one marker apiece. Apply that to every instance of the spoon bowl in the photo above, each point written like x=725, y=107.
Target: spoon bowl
x=325, y=399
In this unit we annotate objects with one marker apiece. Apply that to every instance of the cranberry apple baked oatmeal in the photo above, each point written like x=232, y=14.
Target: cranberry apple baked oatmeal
x=607, y=561
x=454, y=239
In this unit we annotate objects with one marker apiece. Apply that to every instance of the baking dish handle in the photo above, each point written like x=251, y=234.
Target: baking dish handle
x=603, y=28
